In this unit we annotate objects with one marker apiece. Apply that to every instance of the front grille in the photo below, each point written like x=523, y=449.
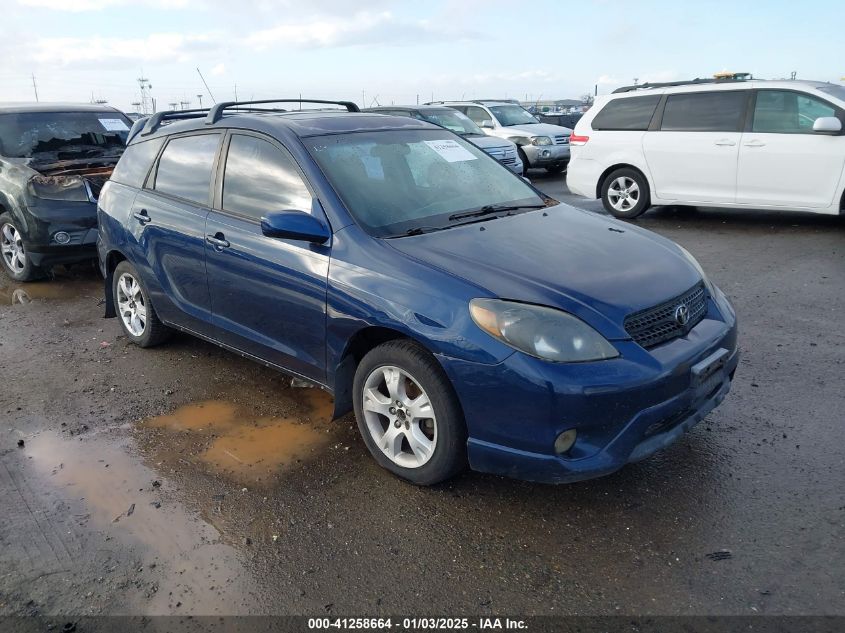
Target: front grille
x=508, y=161
x=659, y=324
x=561, y=140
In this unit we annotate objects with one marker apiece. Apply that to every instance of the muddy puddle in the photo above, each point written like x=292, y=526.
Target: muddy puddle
x=185, y=565
x=64, y=287
x=244, y=445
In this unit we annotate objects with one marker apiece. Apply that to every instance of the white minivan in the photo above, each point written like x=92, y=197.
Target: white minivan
x=753, y=144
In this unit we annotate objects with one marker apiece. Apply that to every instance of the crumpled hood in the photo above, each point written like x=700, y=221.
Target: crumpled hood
x=595, y=267
x=536, y=129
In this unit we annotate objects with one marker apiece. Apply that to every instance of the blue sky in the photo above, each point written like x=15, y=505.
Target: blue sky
x=394, y=51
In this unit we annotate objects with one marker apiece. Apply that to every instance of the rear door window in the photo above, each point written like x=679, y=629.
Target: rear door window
x=632, y=113
x=788, y=112
x=260, y=178
x=184, y=169
x=722, y=111
x=135, y=163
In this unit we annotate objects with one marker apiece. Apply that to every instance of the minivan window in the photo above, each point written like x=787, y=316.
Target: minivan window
x=260, y=178
x=788, y=112
x=184, y=169
x=135, y=163
x=631, y=113
x=721, y=111
x=399, y=180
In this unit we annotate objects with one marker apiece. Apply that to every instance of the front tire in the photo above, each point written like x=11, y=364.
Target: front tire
x=625, y=193
x=17, y=263
x=557, y=169
x=135, y=311
x=524, y=160
x=408, y=413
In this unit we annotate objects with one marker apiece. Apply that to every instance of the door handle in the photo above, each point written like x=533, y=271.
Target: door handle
x=725, y=143
x=755, y=144
x=218, y=241
x=142, y=216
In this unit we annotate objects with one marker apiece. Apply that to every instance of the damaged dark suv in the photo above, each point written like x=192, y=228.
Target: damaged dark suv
x=54, y=159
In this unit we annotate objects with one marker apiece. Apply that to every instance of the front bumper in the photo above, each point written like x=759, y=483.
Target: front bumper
x=623, y=409
x=44, y=220
x=546, y=155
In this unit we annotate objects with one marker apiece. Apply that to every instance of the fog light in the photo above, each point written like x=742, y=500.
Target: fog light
x=545, y=153
x=565, y=441
x=61, y=237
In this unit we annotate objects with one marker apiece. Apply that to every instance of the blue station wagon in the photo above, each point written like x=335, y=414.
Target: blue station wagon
x=465, y=318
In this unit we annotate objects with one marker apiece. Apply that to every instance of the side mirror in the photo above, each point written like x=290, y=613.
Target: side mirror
x=487, y=124
x=827, y=125
x=295, y=225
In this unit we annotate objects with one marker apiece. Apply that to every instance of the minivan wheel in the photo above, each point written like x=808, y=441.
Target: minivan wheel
x=408, y=413
x=135, y=311
x=16, y=261
x=625, y=193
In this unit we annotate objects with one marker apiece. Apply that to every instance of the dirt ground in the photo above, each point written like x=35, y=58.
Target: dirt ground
x=187, y=480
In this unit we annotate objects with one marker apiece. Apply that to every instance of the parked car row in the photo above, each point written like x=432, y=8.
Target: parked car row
x=463, y=317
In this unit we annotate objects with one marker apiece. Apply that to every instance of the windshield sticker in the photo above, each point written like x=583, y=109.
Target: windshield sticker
x=451, y=151
x=114, y=125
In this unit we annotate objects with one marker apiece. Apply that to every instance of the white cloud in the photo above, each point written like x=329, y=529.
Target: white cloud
x=361, y=29
x=79, y=6
x=219, y=69
x=64, y=51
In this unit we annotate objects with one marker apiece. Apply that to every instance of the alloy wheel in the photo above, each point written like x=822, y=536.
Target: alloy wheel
x=399, y=416
x=11, y=247
x=130, y=304
x=623, y=193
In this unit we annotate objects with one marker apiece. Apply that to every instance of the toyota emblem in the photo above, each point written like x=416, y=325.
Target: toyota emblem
x=682, y=314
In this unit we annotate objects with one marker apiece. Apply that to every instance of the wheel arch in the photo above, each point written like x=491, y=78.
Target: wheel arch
x=358, y=345
x=113, y=258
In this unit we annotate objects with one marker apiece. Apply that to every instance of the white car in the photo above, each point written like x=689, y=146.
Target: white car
x=540, y=144
x=753, y=144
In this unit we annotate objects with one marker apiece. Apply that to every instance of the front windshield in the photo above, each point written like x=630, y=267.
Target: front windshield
x=835, y=91
x=457, y=122
x=508, y=115
x=397, y=181
x=62, y=135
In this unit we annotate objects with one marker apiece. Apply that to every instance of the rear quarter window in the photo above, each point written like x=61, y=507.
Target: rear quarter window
x=135, y=164
x=722, y=111
x=632, y=113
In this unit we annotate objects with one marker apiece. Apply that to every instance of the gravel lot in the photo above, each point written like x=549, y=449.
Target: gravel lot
x=248, y=500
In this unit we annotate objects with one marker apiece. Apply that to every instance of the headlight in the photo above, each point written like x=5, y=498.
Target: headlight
x=68, y=188
x=540, y=331
x=694, y=262
x=541, y=140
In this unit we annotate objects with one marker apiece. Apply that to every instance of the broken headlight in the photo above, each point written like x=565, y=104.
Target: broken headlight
x=67, y=188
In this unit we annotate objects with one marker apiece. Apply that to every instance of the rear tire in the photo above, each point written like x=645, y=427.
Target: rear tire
x=625, y=193
x=17, y=263
x=408, y=413
x=135, y=311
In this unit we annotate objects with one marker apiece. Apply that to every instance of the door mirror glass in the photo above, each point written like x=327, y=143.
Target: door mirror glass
x=827, y=125
x=295, y=225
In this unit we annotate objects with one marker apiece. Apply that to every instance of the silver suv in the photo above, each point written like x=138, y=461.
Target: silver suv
x=540, y=144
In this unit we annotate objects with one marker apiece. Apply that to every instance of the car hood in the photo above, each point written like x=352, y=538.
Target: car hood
x=489, y=142
x=537, y=129
x=594, y=267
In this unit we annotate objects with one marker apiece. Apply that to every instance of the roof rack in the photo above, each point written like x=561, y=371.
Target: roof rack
x=216, y=111
x=686, y=82
x=154, y=122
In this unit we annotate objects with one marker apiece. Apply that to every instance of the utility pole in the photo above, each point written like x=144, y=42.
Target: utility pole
x=172, y=105
x=200, y=98
x=206, y=85
x=34, y=87
x=182, y=104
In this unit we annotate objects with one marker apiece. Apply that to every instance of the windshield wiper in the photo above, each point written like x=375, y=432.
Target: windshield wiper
x=492, y=208
x=418, y=230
